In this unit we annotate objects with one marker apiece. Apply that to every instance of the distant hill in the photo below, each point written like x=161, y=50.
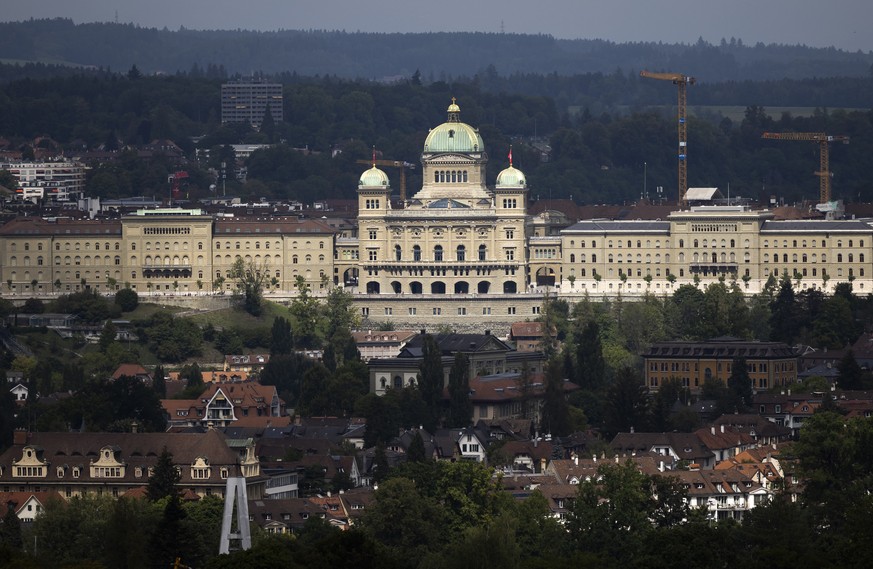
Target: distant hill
x=379, y=56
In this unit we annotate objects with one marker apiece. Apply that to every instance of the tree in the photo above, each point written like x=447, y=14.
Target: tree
x=627, y=403
x=783, y=319
x=612, y=512
x=107, y=335
x=10, y=528
x=407, y=522
x=416, y=452
x=430, y=379
x=304, y=311
x=281, y=337
x=159, y=381
x=249, y=280
x=556, y=412
x=740, y=384
x=590, y=365
x=851, y=376
x=460, y=405
x=127, y=299
x=165, y=479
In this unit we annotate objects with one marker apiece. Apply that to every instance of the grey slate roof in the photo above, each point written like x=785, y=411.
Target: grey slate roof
x=601, y=225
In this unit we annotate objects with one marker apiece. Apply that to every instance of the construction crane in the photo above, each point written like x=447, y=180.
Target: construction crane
x=823, y=140
x=394, y=164
x=682, y=81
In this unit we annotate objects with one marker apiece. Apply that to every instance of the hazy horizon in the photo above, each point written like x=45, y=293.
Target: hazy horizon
x=844, y=24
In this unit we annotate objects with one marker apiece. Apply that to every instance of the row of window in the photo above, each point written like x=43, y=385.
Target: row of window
x=449, y=176
x=437, y=311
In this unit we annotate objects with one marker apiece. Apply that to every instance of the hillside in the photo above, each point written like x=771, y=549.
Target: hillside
x=380, y=56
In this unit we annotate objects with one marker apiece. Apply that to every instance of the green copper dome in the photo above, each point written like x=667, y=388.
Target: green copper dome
x=510, y=177
x=374, y=177
x=453, y=135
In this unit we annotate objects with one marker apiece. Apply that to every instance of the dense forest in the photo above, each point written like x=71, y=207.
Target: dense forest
x=377, y=56
x=589, y=156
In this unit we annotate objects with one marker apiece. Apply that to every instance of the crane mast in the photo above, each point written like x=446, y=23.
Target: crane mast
x=823, y=140
x=682, y=82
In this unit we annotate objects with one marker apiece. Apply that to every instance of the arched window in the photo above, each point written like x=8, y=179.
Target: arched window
x=839, y=257
x=482, y=252
x=438, y=253
x=398, y=253
x=461, y=252
x=416, y=253
x=572, y=257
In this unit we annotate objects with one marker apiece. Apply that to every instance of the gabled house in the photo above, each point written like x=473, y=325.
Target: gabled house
x=132, y=370
x=527, y=456
x=27, y=505
x=725, y=441
x=461, y=444
x=725, y=494
x=223, y=404
x=19, y=392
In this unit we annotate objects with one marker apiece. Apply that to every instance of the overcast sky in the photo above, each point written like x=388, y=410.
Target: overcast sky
x=845, y=24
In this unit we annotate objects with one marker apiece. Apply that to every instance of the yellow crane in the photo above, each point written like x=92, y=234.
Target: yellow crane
x=823, y=140
x=394, y=164
x=682, y=82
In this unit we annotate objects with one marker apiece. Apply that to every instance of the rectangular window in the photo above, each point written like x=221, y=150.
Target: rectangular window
x=365, y=311
x=510, y=310
x=388, y=311
x=462, y=311
x=373, y=234
x=437, y=311
x=412, y=311
x=486, y=310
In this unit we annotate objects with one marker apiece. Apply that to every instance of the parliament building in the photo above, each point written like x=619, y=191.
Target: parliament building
x=460, y=251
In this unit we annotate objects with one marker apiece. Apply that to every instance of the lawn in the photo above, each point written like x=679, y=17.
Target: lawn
x=239, y=318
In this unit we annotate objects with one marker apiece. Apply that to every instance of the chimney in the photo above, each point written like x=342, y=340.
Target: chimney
x=722, y=428
x=19, y=437
x=576, y=460
x=712, y=430
x=632, y=429
x=661, y=466
x=594, y=458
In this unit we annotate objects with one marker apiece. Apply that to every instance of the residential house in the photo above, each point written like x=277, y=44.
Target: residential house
x=725, y=442
x=726, y=494
x=764, y=432
x=28, y=505
x=381, y=343
x=526, y=456
x=528, y=336
x=684, y=447
x=246, y=362
x=223, y=404
x=19, y=393
x=132, y=370
x=461, y=444
x=787, y=409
